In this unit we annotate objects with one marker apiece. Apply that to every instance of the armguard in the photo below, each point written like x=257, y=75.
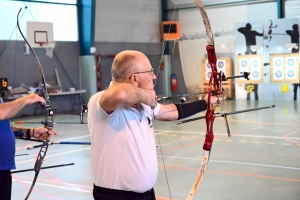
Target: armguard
x=189, y=109
x=18, y=134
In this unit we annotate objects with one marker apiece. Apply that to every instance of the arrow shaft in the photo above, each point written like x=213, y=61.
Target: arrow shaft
x=48, y=167
x=225, y=114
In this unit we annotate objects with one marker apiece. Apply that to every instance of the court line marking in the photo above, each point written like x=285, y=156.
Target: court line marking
x=55, y=186
x=73, y=138
x=54, y=155
x=238, y=135
x=256, y=122
x=232, y=162
x=25, y=146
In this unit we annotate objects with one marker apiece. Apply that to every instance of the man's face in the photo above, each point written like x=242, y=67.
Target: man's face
x=145, y=74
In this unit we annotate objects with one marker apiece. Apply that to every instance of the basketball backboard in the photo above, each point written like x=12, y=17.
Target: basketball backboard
x=40, y=34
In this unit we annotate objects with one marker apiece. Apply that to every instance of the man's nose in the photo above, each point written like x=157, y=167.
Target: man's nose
x=154, y=76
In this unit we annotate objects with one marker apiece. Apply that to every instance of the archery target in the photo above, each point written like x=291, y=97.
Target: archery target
x=278, y=62
x=255, y=68
x=244, y=65
x=208, y=75
x=291, y=74
x=208, y=65
x=207, y=70
x=290, y=68
x=278, y=70
x=255, y=74
x=284, y=68
x=252, y=64
x=290, y=62
x=255, y=63
x=278, y=74
x=221, y=65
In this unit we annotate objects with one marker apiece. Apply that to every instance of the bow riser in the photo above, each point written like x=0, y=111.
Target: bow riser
x=213, y=89
x=209, y=137
x=214, y=79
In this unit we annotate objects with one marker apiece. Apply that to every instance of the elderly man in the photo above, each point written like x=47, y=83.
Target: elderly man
x=120, y=118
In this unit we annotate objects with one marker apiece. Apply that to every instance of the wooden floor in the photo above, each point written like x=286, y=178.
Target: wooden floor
x=261, y=159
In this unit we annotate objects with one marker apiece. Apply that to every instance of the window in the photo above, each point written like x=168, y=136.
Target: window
x=63, y=15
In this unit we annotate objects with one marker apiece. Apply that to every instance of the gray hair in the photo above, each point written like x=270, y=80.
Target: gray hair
x=124, y=64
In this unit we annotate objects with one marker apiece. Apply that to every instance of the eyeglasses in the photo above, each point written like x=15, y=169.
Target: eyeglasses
x=151, y=72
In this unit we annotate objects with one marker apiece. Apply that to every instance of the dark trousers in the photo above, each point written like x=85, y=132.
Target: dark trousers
x=295, y=91
x=100, y=193
x=5, y=184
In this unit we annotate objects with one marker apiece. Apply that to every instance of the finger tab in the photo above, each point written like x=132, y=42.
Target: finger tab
x=43, y=137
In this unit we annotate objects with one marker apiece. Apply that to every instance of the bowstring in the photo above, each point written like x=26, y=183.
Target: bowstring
x=164, y=46
x=154, y=122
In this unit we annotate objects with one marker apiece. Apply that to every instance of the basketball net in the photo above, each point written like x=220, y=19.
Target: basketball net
x=49, y=46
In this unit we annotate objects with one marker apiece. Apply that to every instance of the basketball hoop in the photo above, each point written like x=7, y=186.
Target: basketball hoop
x=49, y=46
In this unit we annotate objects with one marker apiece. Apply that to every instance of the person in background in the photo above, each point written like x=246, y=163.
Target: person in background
x=295, y=39
x=123, y=152
x=8, y=134
x=250, y=37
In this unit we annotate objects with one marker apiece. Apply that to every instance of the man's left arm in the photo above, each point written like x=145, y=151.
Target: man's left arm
x=179, y=111
x=167, y=113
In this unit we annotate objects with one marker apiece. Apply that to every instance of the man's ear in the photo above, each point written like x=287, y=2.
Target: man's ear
x=134, y=80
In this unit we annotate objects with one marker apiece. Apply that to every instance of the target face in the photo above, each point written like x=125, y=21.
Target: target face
x=255, y=74
x=244, y=63
x=255, y=63
x=291, y=73
x=208, y=65
x=208, y=75
x=278, y=74
x=278, y=62
x=221, y=64
x=290, y=62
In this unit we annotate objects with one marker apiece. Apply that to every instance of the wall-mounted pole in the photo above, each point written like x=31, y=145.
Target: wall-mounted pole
x=166, y=57
x=280, y=8
x=86, y=25
x=86, y=33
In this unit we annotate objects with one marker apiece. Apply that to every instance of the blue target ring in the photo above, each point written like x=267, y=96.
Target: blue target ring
x=208, y=75
x=208, y=65
x=255, y=63
x=290, y=62
x=278, y=62
x=244, y=63
x=278, y=74
x=221, y=64
x=255, y=74
x=291, y=73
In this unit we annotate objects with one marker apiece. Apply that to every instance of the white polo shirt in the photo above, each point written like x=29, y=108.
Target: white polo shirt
x=123, y=147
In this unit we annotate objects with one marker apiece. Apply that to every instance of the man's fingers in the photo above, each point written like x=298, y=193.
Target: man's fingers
x=51, y=132
x=43, y=136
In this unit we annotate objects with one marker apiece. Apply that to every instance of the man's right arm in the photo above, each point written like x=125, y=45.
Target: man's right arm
x=123, y=94
x=10, y=109
x=241, y=30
